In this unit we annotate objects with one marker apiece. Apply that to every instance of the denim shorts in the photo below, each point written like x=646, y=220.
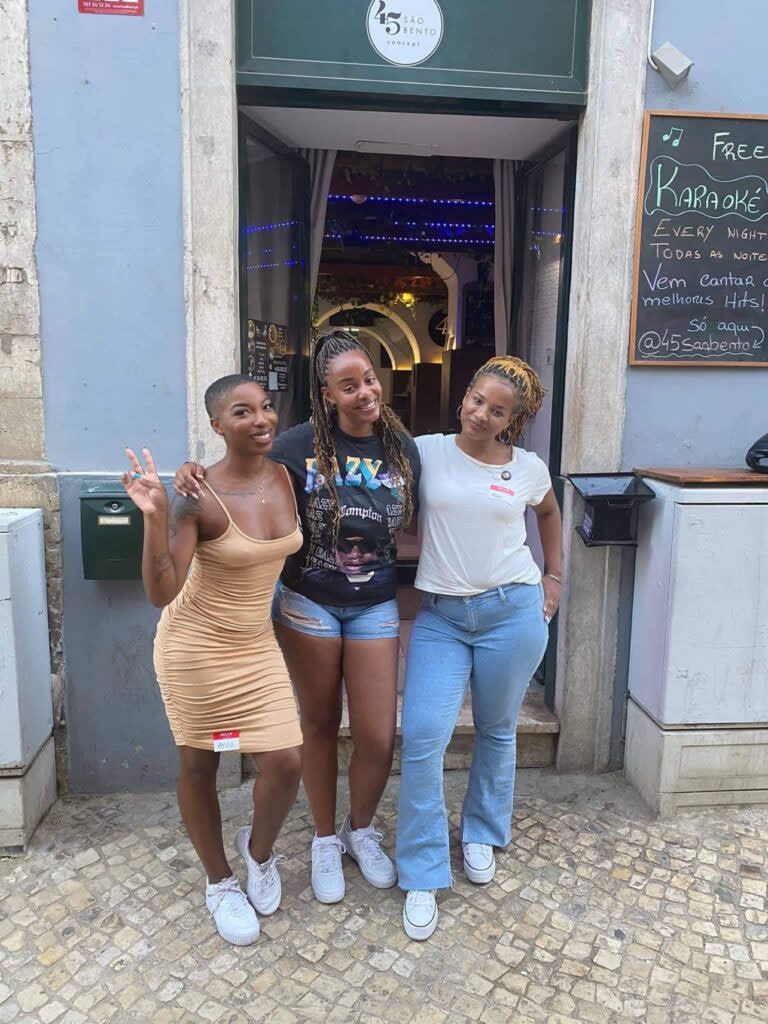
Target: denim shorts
x=356, y=622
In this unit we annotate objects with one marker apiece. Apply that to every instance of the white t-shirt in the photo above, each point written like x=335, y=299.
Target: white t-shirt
x=472, y=518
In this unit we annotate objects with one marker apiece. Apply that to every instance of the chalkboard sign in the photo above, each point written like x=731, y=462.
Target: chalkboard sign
x=701, y=246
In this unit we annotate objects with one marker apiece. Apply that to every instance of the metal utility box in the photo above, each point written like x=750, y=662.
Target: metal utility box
x=700, y=619
x=26, y=712
x=698, y=707
x=27, y=774
x=111, y=531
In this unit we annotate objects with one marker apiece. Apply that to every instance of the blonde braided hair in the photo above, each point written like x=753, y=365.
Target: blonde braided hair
x=526, y=384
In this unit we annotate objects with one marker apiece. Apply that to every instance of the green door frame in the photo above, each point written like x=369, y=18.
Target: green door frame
x=316, y=99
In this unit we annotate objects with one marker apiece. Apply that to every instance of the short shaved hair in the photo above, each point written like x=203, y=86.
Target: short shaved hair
x=222, y=387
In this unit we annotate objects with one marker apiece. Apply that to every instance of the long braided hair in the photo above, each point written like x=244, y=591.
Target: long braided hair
x=526, y=384
x=326, y=348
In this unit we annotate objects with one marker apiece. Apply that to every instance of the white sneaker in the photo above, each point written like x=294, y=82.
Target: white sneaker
x=327, y=872
x=419, y=914
x=479, y=862
x=364, y=846
x=263, y=884
x=233, y=915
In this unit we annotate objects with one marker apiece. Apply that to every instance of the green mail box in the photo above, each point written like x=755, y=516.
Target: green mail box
x=112, y=532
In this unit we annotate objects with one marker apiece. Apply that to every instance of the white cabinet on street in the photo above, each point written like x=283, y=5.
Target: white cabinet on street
x=27, y=771
x=697, y=725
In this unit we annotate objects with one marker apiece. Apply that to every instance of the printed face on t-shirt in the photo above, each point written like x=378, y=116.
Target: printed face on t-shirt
x=372, y=511
x=353, y=553
x=356, y=563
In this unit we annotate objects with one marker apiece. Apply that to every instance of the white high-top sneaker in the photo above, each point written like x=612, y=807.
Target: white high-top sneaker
x=234, y=917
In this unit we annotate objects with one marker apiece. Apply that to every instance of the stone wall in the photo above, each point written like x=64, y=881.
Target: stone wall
x=25, y=477
x=21, y=393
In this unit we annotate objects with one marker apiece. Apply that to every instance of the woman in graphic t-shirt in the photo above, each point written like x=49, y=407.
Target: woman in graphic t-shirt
x=355, y=472
x=483, y=623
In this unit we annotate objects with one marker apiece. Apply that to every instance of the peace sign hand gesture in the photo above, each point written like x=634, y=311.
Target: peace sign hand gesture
x=144, y=488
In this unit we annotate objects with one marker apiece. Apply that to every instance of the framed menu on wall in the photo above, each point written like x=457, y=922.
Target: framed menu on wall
x=700, y=295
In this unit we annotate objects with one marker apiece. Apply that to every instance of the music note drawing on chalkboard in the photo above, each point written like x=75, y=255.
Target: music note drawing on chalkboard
x=674, y=134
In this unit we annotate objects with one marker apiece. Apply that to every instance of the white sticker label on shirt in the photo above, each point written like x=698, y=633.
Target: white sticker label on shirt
x=228, y=740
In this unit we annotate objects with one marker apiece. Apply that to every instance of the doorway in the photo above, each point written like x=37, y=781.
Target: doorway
x=438, y=239
x=406, y=264
x=409, y=195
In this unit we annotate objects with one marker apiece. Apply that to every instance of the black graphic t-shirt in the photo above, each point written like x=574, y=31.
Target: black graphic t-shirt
x=360, y=566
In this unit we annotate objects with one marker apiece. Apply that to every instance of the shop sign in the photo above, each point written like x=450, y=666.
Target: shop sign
x=268, y=354
x=405, y=32
x=130, y=7
x=511, y=50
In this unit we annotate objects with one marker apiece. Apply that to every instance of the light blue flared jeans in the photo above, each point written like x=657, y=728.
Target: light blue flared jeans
x=493, y=642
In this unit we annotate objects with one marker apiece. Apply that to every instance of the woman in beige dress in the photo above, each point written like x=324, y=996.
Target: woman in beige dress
x=212, y=565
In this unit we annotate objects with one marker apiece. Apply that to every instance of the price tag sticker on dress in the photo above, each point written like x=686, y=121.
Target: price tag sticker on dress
x=227, y=740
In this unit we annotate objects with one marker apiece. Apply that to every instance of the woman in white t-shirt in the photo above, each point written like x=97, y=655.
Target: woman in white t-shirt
x=483, y=622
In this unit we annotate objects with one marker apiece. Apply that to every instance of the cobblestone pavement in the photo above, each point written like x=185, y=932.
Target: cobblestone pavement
x=596, y=914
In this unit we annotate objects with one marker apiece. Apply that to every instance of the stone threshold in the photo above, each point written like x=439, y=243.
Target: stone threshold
x=535, y=716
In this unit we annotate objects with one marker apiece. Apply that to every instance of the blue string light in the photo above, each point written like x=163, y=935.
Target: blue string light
x=440, y=224
x=273, y=266
x=251, y=229
x=419, y=200
x=548, y=209
x=409, y=238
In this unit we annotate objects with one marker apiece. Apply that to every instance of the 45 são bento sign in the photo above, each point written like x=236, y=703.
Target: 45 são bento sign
x=405, y=32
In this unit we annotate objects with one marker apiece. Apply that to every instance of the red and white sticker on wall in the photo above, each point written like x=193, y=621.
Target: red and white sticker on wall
x=131, y=7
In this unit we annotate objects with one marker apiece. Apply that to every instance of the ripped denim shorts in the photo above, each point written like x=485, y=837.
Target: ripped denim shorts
x=357, y=622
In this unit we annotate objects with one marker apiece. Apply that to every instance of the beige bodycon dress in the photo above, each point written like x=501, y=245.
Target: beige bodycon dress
x=216, y=657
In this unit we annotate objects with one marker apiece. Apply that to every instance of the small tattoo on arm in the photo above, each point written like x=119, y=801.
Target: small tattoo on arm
x=161, y=564
x=183, y=508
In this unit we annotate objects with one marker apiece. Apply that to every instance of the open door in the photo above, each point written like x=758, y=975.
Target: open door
x=543, y=253
x=274, y=269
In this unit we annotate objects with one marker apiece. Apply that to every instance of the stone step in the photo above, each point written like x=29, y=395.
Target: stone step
x=537, y=731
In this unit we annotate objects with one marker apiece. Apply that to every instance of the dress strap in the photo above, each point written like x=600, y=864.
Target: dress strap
x=293, y=492
x=224, y=507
